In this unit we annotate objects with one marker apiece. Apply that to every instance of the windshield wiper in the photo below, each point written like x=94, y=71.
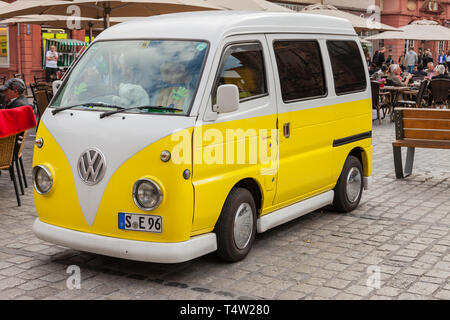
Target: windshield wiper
x=95, y=104
x=108, y=113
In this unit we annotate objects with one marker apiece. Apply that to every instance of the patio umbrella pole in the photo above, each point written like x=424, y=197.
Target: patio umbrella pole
x=90, y=31
x=107, y=12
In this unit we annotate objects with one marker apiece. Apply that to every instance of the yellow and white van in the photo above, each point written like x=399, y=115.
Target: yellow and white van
x=178, y=135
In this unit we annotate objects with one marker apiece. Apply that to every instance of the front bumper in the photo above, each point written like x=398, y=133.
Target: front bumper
x=161, y=252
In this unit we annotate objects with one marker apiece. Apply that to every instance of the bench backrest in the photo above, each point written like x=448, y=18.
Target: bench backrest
x=422, y=124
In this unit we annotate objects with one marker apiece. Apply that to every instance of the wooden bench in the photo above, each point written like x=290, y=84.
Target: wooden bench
x=418, y=128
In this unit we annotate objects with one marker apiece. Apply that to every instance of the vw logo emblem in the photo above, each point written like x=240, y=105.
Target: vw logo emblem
x=91, y=166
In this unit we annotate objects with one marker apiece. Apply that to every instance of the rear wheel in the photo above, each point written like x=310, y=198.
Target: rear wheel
x=236, y=227
x=348, y=190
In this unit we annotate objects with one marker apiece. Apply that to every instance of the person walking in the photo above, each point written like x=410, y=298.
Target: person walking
x=381, y=59
x=375, y=57
x=402, y=62
x=411, y=60
x=427, y=57
x=389, y=60
x=442, y=58
x=368, y=60
x=448, y=59
x=51, y=65
x=420, y=58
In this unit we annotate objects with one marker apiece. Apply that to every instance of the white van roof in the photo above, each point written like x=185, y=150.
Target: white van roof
x=213, y=25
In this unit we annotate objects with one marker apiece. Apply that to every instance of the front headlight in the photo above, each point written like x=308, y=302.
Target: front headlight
x=147, y=195
x=42, y=179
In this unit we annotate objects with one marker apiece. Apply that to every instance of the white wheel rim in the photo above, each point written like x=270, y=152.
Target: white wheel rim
x=353, y=186
x=243, y=225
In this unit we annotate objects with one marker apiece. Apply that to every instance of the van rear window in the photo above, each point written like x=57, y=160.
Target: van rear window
x=300, y=69
x=348, y=69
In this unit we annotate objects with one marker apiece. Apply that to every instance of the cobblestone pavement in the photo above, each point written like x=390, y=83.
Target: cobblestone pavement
x=401, y=227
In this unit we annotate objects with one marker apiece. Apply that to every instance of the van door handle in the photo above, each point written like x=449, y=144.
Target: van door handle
x=287, y=129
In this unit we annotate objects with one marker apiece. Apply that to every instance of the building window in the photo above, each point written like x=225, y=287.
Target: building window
x=441, y=47
x=4, y=46
x=408, y=44
x=300, y=69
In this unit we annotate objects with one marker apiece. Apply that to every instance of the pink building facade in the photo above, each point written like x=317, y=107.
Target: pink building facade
x=399, y=13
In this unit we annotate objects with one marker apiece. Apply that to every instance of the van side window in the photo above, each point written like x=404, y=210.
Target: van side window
x=348, y=69
x=243, y=66
x=300, y=69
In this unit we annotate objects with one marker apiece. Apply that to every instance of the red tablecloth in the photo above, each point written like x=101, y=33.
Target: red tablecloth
x=13, y=121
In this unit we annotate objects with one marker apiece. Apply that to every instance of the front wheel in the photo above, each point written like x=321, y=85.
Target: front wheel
x=348, y=190
x=236, y=227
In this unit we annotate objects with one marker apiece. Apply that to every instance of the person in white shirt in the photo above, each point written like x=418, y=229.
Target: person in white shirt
x=51, y=66
x=448, y=58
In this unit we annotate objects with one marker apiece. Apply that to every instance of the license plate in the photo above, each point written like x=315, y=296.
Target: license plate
x=140, y=222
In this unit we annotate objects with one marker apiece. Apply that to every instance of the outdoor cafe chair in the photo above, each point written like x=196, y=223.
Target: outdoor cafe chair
x=39, y=80
x=18, y=155
x=13, y=126
x=7, y=148
x=41, y=98
x=379, y=100
x=440, y=89
x=418, y=103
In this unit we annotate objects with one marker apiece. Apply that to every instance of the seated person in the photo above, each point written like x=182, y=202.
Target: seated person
x=418, y=71
x=440, y=73
x=430, y=70
x=396, y=78
x=373, y=69
x=382, y=73
x=13, y=90
x=177, y=79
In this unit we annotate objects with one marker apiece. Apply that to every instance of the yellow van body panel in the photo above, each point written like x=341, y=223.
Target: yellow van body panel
x=316, y=128
x=61, y=207
x=213, y=182
x=185, y=215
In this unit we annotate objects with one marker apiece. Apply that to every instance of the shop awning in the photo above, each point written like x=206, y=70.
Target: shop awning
x=66, y=49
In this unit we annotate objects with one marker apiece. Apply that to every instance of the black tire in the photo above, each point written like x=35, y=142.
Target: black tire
x=227, y=248
x=343, y=201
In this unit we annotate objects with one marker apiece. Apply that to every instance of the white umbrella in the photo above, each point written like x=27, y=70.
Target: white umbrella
x=57, y=21
x=104, y=8
x=359, y=23
x=417, y=30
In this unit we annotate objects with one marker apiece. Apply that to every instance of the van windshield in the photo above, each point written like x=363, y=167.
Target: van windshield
x=134, y=73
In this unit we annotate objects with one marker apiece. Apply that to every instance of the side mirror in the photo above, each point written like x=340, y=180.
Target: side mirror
x=227, y=98
x=55, y=85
